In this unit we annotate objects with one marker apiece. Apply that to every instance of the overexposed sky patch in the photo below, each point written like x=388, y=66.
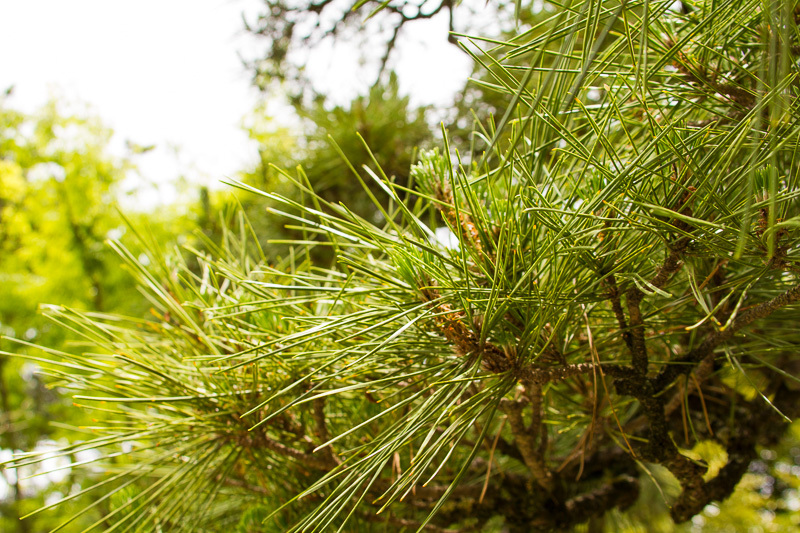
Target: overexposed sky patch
x=158, y=72
x=430, y=69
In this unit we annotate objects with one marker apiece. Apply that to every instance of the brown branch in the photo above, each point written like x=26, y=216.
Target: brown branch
x=404, y=18
x=307, y=459
x=698, y=75
x=639, y=360
x=429, y=492
x=616, y=306
x=541, y=375
x=673, y=261
x=493, y=358
x=412, y=524
x=757, y=423
x=239, y=484
x=318, y=7
x=621, y=492
x=318, y=410
x=526, y=443
x=459, y=220
x=419, y=14
x=706, y=348
x=693, y=501
x=288, y=422
x=390, y=44
x=704, y=369
x=451, y=28
x=659, y=447
x=634, y=297
x=536, y=399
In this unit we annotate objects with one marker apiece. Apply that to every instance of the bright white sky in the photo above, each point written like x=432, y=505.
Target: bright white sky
x=168, y=72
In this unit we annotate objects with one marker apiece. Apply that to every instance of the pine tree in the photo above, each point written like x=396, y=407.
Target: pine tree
x=601, y=294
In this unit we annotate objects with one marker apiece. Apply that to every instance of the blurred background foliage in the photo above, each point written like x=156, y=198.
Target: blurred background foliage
x=58, y=189
x=384, y=120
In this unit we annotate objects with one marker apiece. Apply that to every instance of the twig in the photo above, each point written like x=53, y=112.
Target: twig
x=262, y=441
x=706, y=348
x=318, y=406
x=527, y=444
x=231, y=482
x=702, y=372
x=702, y=403
x=616, y=306
x=621, y=492
x=491, y=458
x=403, y=522
x=634, y=298
x=596, y=361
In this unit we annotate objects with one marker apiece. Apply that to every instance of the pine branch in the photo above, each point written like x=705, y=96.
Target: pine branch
x=685, y=364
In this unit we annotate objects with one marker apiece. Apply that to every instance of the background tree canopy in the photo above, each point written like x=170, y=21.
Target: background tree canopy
x=574, y=316
x=58, y=186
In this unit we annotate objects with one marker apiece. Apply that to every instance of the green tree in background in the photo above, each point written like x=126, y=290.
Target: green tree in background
x=58, y=187
x=382, y=120
x=598, y=323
